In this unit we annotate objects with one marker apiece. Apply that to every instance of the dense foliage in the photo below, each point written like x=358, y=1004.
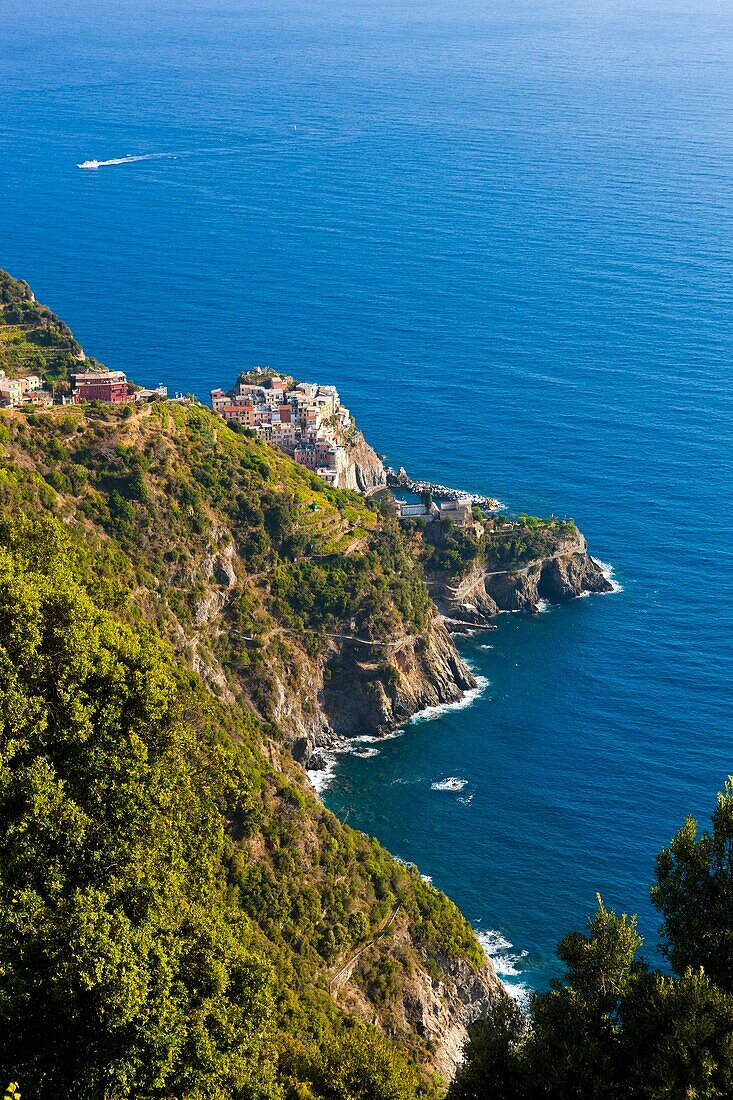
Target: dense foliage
x=155, y=910
x=617, y=1028
x=496, y=542
x=174, y=900
x=114, y=934
x=174, y=488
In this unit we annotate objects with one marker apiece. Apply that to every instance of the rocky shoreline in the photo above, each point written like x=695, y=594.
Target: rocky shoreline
x=361, y=709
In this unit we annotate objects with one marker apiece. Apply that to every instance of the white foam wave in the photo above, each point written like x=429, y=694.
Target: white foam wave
x=362, y=746
x=452, y=783
x=506, y=963
x=429, y=714
x=486, y=646
x=321, y=778
x=607, y=571
x=543, y=605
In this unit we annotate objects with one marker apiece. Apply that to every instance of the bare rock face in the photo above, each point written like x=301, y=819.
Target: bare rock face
x=442, y=1009
x=515, y=591
x=557, y=579
x=224, y=570
x=365, y=471
x=441, y=997
x=466, y=601
x=374, y=690
x=570, y=576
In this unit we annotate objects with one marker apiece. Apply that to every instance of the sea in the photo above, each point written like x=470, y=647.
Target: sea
x=504, y=230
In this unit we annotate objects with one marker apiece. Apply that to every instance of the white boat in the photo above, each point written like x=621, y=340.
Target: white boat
x=89, y=164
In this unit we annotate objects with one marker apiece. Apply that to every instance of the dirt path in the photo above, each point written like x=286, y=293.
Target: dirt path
x=344, y=972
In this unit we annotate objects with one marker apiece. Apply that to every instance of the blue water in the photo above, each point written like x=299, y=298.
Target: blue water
x=505, y=231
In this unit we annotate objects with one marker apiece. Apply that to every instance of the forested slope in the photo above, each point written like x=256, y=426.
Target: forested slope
x=179, y=606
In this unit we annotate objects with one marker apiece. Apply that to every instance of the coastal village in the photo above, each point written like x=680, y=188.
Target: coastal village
x=305, y=420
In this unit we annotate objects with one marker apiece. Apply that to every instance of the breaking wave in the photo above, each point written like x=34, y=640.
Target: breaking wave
x=429, y=714
x=607, y=571
x=452, y=783
x=507, y=964
x=321, y=778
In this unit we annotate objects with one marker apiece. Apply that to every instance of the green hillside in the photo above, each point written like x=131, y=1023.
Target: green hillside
x=177, y=904
x=32, y=338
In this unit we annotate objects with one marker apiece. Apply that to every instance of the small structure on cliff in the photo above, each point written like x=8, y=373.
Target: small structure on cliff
x=458, y=511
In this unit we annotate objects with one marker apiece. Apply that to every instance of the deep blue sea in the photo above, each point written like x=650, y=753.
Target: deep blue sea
x=504, y=229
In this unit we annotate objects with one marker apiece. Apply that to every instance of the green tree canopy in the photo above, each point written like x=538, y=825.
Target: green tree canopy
x=694, y=894
x=615, y=1029
x=122, y=973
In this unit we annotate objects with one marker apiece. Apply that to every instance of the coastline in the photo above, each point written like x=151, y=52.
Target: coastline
x=321, y=777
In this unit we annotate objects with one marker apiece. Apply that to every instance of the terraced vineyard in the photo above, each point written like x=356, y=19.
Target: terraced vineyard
x=33, y=340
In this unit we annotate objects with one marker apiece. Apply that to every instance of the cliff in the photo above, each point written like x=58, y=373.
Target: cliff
x=32, y=338
x=294, y=614
x=509, y=566
x=365, y=471
x=440, y=1002
x=375, y=689
x=313, y=623
x=195, y=909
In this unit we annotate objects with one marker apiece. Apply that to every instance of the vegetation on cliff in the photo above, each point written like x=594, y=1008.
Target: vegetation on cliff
x=175, y=899
x=616, y=1027
x=32, y=338
x=496, y=542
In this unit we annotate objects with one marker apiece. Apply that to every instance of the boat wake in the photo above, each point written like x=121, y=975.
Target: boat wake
x=132, y=159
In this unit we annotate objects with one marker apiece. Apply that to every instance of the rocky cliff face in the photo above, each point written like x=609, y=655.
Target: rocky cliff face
x=374, y=689
x=439, y=1002
x=570, y=576
x=464, y=603
x=352, y=689
x=518, y=591
x=442, y=1009
x=558, y=579
x=480, y=595
x=365, y=471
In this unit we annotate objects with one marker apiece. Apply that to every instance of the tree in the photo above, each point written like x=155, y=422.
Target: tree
x=694, y=894
x=570, y=1047
x=678, y=1038
x=492, y=1066
x=122, y=973
x=359, y=1064
x=615, y=1028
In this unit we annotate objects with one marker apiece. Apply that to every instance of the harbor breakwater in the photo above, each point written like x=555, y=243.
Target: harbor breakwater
x=400, y=480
